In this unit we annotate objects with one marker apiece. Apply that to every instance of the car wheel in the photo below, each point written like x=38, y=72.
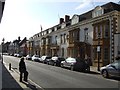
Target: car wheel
x=61, y=65
x=54, y=64
x=105, y=73
x=72, y=68
x=48, y=63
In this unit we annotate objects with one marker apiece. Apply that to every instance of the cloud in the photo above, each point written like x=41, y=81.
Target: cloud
x=84, y=4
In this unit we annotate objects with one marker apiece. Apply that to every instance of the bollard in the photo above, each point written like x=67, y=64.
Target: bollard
x=9, y=66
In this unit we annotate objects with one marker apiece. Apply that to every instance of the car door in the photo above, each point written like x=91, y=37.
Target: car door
x=66, y=63
x=114, y=69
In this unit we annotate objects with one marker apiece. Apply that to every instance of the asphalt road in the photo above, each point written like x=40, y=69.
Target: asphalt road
x=48, y=76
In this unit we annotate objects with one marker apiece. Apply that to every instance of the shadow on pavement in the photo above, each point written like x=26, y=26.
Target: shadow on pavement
x=115, y=78
x=92, y=72
x=33, y=87
x=8, y=82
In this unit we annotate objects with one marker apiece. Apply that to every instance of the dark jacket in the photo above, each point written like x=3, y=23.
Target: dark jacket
x=22, y=66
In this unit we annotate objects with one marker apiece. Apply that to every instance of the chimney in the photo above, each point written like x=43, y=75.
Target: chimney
x=67, y=18
x=18, y=38
x=61, y=20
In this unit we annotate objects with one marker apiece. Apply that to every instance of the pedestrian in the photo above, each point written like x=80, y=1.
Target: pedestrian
x=22, y=70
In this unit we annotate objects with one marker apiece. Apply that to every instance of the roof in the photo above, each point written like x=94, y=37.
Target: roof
x=110, y=7
x=22, y=41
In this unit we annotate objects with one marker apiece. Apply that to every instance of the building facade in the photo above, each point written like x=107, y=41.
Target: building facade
x=93, y=34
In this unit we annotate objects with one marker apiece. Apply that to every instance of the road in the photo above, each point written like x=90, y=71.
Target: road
x=48, y=76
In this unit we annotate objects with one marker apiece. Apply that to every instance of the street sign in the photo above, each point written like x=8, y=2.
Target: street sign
x=98, y=48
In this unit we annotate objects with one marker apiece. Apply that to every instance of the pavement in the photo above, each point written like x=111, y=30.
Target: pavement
x=94, y=70
x=10, y=79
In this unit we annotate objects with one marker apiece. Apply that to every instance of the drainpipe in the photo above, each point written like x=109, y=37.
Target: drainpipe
x=110, y=19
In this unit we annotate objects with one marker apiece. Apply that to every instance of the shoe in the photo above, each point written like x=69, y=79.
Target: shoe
x=21, y=81
x=25, y=80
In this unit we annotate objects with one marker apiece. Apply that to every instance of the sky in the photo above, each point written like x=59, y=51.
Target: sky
x=25, y=17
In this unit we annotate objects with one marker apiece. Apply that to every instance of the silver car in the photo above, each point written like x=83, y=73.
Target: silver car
x=36, y=58
x=111, y=70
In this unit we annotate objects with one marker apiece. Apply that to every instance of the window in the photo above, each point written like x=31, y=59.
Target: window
x=62, y=52
x=61, y=39
x=55, y=39
x=106, y=31
x=100, y=32
x=58, y=27
x=98, y=11
x=106, y=53
x=47, y=41
x=95, y=53
x=64, y=38
x=52, y=29
x=47, y=32
x=86, y=34
x=96, y=32
x=68, y=24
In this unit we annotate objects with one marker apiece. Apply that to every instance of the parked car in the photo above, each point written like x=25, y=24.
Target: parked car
x=74, y=64
x=11, y=54
x=36, y=58
x=53, y=60
x=45, y=59
x=19, y=55
x=15, y=55
x=111, y=70
x=56, y=60
x=28, y=57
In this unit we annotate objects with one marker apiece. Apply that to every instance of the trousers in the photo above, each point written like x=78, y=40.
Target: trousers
x=25, y=76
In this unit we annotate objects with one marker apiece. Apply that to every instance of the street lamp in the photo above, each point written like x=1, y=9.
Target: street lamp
x=98, y=51
x=2, y=48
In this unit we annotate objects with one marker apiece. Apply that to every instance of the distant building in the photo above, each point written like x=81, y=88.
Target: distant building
x=23, y=47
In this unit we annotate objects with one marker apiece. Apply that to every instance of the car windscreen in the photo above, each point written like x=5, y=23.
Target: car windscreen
x=71, y=59
x=36, y=55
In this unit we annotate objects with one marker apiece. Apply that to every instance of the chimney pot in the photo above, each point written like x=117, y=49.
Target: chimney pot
x=67, y=18
x=61, y=20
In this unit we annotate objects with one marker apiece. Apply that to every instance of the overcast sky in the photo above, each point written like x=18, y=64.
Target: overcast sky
x=24, y=17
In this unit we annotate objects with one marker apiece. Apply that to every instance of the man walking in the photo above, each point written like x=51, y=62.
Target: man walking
x=22, y=70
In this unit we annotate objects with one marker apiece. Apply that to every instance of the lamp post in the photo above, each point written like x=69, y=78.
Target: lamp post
x=2, y=48
x=98, y=51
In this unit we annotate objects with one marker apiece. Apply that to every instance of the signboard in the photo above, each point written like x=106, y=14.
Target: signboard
x=98, y=48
